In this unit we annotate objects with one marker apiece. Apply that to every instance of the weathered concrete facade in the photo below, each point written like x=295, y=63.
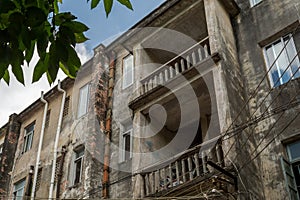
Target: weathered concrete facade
x=256, y=27
x=183, y=105
x=77, y=133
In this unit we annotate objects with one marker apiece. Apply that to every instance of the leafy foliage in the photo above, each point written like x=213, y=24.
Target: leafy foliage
x=29, y=24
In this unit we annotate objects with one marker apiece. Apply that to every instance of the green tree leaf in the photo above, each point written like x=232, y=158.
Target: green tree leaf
x=67, y=35
x=65, y=69
x=94, y=3
x=56, y=9
x=126, y=3
x=7, y=6
x=6, y=77
x=80, y=38
x=42, y=44
x=29, y=52
x=40, y=68
x=35, y=16
x=107, y=6
x=18, y=72
x=53, y=62
x=61, y=50
x=76, y=27
x=73, y=61
x=63, y=17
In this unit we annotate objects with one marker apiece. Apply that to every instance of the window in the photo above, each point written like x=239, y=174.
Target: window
x=1, y=149
x=127, y=144
x=83, y=100
x=254, y=2
x=19, y=190
x=128, y=71
x=66, y=107
x=283, y=53
x=28, y=136
x=292, y=170
x=57, y=168
x=47, y=119
x=38, y=179
x=77, y=165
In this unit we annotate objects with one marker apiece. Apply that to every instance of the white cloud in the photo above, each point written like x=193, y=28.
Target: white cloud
x=16, y=97
x=83, y=53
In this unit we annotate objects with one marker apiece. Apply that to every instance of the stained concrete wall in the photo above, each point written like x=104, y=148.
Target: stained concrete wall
x=86, y=130
x=9, y=136
x=254, y=28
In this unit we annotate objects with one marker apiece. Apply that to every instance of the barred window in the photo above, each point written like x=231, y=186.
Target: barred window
x=47, y=119
x=66, y=107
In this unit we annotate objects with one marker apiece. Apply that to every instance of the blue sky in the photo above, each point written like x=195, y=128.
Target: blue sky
x=119, y=20
x=16, y=97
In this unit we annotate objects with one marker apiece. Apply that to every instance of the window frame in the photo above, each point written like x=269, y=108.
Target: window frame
x=124, y=134
x=281, y=40
x=79, y=115
x=1, y=148
x=47, y=121
x=289, y=152
x=21, y=182
x=255, y=2
x=75, y=160
x=124, y=86
x=292, y=162
x=26, y=136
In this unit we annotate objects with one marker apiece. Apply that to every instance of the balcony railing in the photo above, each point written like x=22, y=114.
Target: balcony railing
x=188, y=166
x=178, y=65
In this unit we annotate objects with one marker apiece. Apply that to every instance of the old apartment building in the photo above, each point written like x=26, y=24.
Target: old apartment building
x=199, y=100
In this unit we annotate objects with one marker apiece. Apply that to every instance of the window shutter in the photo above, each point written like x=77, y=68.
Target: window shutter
x=289, y=179
x=71, y=171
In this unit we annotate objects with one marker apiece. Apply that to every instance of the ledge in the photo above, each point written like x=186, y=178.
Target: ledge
x=231, y=7
x=160, y=89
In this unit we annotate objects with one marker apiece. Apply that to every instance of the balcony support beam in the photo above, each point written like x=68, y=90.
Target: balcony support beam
x=223, y=171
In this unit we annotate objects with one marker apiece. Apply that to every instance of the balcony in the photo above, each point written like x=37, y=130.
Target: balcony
x=189, y=64
x=187, y=169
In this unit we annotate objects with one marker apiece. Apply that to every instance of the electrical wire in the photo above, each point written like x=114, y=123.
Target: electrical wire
x=266, y=110
x=267, y=93
x=258, y=86
x=247, y=162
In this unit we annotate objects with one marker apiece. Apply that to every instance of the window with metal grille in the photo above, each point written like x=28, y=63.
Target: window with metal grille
x=38, y=179
x=47, y=119
x=66, y=107
x=57, y=166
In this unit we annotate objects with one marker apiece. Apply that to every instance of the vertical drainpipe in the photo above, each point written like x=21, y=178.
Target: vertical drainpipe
x=56, y=139
x=36, y=168
x=111, y=78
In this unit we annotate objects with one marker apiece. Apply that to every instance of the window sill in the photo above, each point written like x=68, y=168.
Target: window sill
x=127, y=87
x=125, y=165
x=77, y=185
x=125, y=161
